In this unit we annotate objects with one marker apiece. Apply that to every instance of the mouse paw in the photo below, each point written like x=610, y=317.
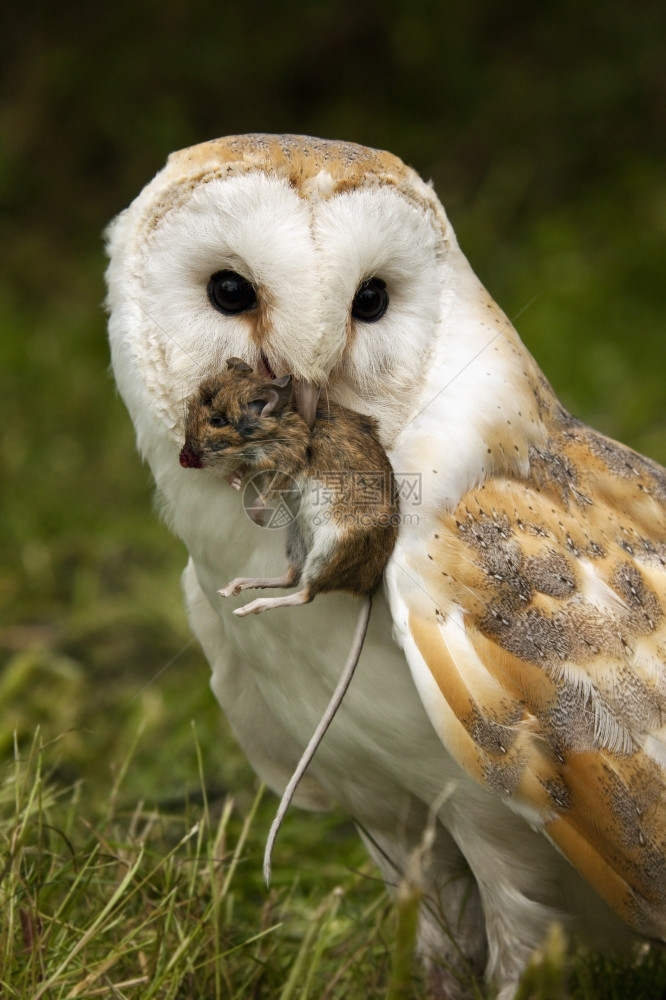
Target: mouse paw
x=235, y=587
x=266, y=603
x=255, y=607
x=235, y=478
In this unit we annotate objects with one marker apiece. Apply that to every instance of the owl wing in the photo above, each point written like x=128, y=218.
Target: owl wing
x=533, y=621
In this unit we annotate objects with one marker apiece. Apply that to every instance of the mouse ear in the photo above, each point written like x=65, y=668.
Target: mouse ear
x=237, y=365
x=278, y=395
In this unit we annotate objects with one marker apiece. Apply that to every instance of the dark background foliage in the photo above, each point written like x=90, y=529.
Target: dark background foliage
x=526, y=105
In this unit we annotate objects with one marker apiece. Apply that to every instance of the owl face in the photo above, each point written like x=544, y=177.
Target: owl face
x=334, y=263
x=324, y=260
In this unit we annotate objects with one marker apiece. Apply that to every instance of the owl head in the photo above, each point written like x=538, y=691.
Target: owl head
x=327, y=260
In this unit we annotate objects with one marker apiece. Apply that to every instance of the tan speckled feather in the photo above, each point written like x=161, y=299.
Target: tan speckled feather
x=301, y=158
x=548, y=643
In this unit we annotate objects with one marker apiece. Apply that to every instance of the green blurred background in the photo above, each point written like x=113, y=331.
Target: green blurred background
x=542, y=126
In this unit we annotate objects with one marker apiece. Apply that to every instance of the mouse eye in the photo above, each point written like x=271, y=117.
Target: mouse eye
x=371, y=300
x=230, y=293
x=218, y=421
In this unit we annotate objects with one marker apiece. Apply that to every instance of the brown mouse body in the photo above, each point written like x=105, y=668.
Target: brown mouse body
x=347, y=523
x=348, y=516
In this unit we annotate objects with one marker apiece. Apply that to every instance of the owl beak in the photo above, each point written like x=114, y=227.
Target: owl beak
x=306, y=395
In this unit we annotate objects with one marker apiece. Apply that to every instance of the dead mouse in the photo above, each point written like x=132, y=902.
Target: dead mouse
x=347, y=521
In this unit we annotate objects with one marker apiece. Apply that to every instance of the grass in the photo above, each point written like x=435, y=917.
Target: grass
x=133, y=901
x=131, y=827
x=166, y=903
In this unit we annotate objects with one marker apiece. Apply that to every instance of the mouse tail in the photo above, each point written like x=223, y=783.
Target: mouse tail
x=318, y=735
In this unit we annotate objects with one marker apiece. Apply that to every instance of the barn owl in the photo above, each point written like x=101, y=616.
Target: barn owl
x=508, y=709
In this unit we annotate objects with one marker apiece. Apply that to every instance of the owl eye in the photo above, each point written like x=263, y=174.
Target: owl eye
x=371, y=300
x=218, y=421
x=229, y=292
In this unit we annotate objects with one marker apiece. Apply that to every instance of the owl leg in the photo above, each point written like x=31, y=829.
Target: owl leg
x=266, y=603
x=259, y=583
x=451, y=936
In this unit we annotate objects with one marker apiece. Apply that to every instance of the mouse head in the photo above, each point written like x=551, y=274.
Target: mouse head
x=237, y=413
